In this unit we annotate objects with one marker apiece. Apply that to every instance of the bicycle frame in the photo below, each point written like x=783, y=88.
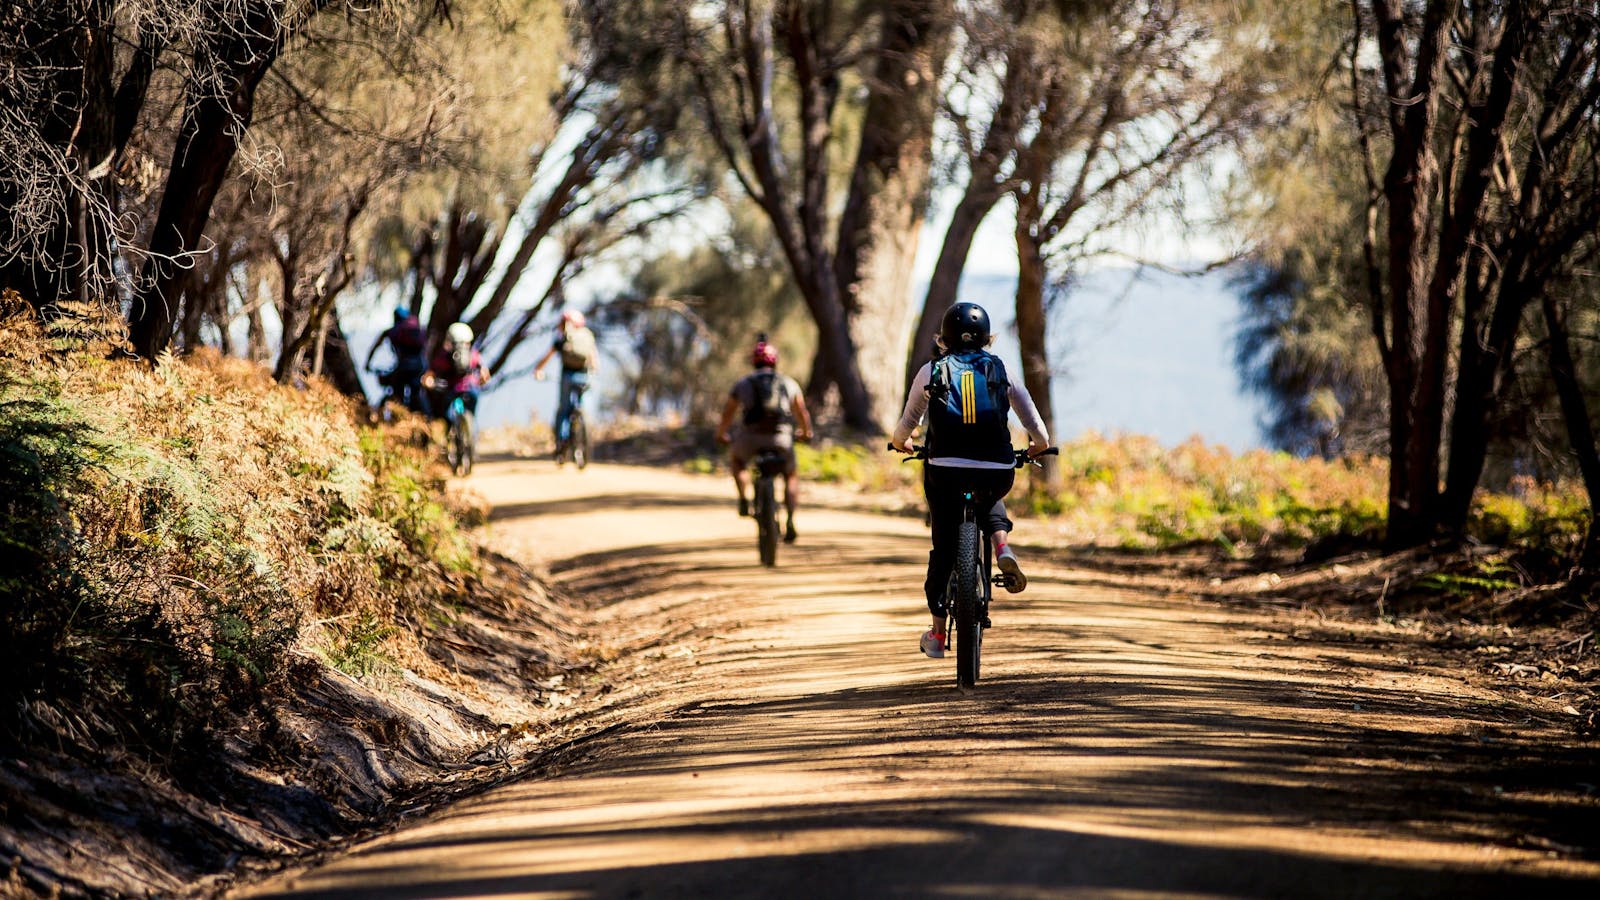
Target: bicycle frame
x=967, y=588
x=767, y=466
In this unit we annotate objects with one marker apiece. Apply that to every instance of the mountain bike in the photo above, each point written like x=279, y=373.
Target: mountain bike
x=768, y=465
x=576, y=445
x=578, y=438
x=461, y=436
x=972, y=580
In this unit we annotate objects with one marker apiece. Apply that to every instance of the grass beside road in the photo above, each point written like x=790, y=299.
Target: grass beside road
x=177, y=536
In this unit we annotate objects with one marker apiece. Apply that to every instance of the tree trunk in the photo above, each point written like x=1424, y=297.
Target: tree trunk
x=837, y=363
x=1486, y=361
x=70, y=42
x=944, y=286
x=888, y=200
x=338, y=364
x=1482, y=361
x=984, y=189
x=1419, y=329
x=1580, y=430
x=1032, y=335
x=256, y=336
x=207, y=142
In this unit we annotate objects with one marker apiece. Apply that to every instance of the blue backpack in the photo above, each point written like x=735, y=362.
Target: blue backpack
x=968, y=401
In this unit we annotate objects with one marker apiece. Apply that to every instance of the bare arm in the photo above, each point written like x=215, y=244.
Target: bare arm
x=375, y=345
x=1028, y=415
x=729, y=409
x=538, y=367
x=802, y=417
x=916, y=405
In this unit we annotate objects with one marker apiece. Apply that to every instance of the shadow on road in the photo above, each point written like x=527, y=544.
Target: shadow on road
x=1162, y=758
x=1131, y=744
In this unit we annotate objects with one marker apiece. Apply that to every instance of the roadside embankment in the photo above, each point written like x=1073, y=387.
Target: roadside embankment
x=238, y=623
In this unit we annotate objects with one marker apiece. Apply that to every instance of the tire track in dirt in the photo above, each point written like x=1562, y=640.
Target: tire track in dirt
x=1122, y=742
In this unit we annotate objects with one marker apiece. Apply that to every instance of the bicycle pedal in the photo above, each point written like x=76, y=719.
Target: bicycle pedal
x=986, y=622
x=1001, y=580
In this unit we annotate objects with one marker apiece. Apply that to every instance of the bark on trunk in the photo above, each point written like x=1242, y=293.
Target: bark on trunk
x=945, y=283
x=1419, y=329
x=1580, y=430
x=1032, y=336
x=984, y=189
x=70, y=44
x=338, y=364
x=207, y=142
x=888, y=200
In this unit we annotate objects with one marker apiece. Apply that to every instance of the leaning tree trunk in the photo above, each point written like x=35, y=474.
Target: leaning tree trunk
x=888, y=200
x=338, y=364
x=945, y=283
x=207, y=142
x=984, y=189
x=1032, y=336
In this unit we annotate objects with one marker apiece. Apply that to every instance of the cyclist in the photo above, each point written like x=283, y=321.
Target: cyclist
x=579, y=354
x=773, y=407
x=966, y=395
x=456, y=370
x=410, y=346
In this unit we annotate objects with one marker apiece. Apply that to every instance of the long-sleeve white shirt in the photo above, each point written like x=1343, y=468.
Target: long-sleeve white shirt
x=917, y=407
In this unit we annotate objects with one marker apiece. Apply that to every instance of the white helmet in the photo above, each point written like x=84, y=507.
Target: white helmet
x=459, y=333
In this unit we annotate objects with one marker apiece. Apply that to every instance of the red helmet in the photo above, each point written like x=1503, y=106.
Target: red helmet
x=764, y=355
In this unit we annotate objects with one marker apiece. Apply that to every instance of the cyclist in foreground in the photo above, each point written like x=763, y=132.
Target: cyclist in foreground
x=771, y=407
x=579, y=353
x=966, y=395
x=456, y=370
x=409, y=342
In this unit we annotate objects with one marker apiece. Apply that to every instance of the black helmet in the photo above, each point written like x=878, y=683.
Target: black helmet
x=965, y=327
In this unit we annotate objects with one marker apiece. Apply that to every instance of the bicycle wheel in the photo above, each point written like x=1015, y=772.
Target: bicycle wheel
x=579, y=440
x=452, y=445
x=767, y=521
x=968, y=607
x=462, y=442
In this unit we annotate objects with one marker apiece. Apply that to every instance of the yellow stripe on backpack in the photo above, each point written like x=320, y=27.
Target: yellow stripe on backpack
x=969, y=399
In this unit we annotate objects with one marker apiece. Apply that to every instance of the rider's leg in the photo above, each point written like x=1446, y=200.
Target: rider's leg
x=995, y=521
x=563, y=407
x=791, y=493
x=739, y=463
x=943, y=488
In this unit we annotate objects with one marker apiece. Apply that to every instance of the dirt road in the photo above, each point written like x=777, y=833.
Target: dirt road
x=1123, y=743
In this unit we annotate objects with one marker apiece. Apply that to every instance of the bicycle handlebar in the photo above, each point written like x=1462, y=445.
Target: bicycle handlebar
x=919, y=451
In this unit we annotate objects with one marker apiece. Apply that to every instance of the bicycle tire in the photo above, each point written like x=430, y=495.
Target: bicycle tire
x=461, y=444
x=968, y=607
x=767, y=521
x=579, y=440
x=452, y=447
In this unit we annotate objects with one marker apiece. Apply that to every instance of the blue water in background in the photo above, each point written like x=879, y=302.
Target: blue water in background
x=1148, y=355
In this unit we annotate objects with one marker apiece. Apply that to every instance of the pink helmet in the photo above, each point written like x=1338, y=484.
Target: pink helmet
x=573, y=317
x=764, y=355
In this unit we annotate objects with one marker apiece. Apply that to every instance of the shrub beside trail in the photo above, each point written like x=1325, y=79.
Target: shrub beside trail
x=173, y=533
x=224, y=600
